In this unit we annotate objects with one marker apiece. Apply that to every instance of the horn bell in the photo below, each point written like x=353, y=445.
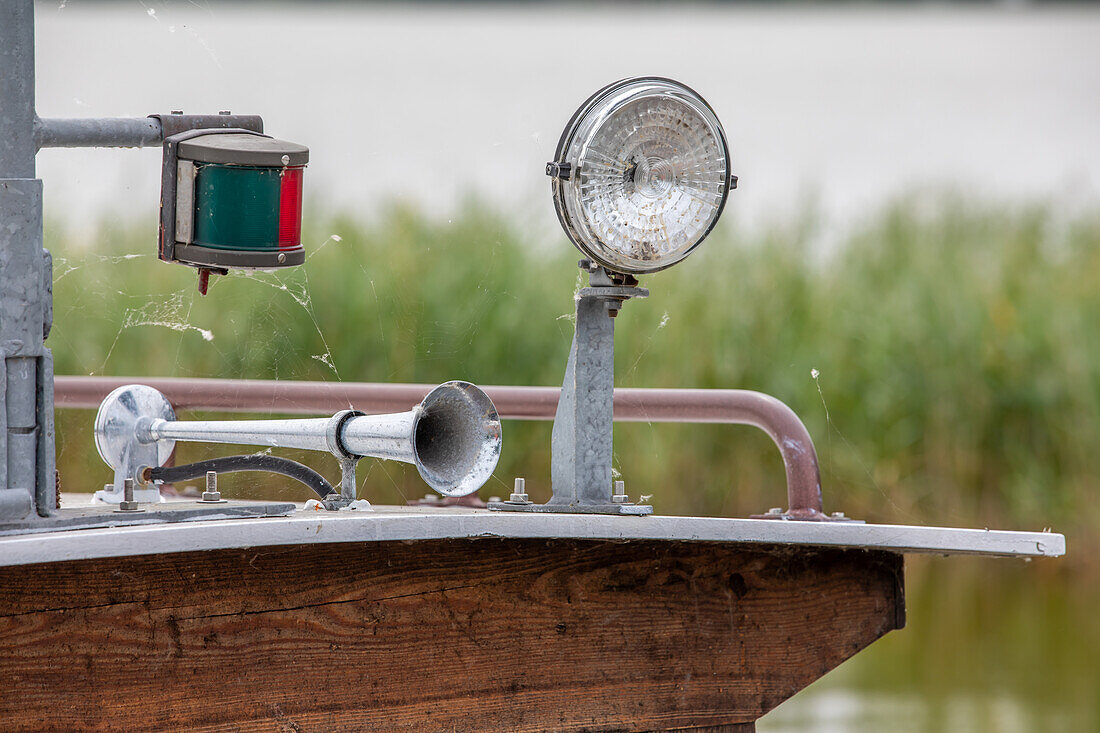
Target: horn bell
x=456, y=438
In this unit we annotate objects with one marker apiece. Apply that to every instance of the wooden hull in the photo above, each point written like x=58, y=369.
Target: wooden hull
x=436, y=635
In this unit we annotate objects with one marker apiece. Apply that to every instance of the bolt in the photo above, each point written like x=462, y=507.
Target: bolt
x=128, y=504
x=224, y=112
x=177, y=111
x=775, y=510
x=618, y=495
x=839, y=515
x=519, y=492
x=211, y=494
x=285, y=159
x=431, y=498
x=281, y=258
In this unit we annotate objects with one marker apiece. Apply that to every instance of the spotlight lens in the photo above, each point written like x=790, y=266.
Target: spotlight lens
x=649, y=175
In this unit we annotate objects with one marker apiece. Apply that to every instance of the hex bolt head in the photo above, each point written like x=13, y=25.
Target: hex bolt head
x=211, y=494
x=775, y=510
x=618, y=495
x=839, y=515
x=519, y=492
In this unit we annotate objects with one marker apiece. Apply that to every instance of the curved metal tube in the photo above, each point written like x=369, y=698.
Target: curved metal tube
x=741, y=407
x=729, y=406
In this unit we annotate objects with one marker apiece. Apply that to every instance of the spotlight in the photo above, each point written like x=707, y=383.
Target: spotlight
x=641, y=174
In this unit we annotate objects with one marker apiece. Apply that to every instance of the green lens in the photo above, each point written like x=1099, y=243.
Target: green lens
x=237, y=207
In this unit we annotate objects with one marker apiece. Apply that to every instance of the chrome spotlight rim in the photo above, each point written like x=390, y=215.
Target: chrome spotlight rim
x=585, y=124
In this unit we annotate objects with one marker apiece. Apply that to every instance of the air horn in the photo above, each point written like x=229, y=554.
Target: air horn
x=453, y=438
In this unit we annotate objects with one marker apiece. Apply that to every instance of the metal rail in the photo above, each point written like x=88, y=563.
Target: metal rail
x=131, y=132
x=729, y=406
x=137, y=132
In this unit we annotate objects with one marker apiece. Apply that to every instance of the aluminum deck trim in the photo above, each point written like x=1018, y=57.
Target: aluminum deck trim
x=427, y=523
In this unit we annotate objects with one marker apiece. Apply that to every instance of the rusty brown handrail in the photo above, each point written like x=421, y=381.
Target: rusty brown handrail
x=730, y=406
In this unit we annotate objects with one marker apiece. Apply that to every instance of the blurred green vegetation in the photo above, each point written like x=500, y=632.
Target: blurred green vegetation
x=957, y=349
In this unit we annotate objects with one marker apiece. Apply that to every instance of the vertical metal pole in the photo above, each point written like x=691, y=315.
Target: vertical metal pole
x=17, y=89
x=581, y=443
x=24, y=289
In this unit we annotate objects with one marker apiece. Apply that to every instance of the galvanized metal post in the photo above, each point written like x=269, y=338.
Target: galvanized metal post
x=581, y=442
x=17, y=89
x=26, y=409
x=580, y=469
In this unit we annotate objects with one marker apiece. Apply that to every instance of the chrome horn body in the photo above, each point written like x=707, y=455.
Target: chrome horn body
x=453, y=436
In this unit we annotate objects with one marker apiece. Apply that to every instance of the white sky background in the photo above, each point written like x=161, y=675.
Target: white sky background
x=850, y=106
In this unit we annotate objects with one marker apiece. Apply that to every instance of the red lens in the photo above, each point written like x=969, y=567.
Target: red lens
x=290, y=209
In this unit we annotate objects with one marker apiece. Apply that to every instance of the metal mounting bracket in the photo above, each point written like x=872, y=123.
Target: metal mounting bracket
x=581, y=442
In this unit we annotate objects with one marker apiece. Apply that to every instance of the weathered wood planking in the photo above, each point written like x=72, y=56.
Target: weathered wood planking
x=465, y=635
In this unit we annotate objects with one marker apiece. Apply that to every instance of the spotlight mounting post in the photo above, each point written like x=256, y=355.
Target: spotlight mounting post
x=581, y=441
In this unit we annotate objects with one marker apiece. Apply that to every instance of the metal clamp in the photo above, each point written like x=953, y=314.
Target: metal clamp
x=564, y=171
